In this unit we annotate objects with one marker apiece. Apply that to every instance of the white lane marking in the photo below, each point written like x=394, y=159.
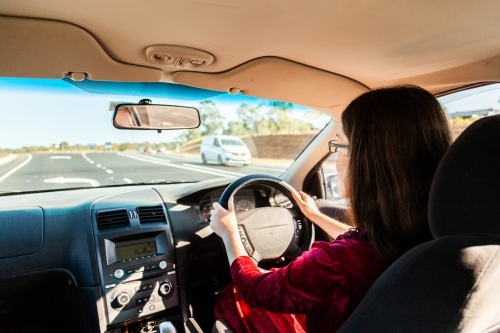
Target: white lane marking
x=97, y=165
x=60, y=157
x=126, y=180
x=218, y=170
x=62, y=180
x=151, y=158
x=161, y=162
x=7, y=159
x=16, y=168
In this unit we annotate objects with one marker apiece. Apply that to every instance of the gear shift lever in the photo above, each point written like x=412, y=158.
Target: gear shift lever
x=167, y=327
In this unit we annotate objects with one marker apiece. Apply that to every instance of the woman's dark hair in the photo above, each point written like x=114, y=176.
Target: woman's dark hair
x=398, y=136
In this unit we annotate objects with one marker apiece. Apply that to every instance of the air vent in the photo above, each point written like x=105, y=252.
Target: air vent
x=151, y=214
x=112, y=219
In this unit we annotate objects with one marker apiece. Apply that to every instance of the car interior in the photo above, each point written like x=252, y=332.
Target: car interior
x=141, y=257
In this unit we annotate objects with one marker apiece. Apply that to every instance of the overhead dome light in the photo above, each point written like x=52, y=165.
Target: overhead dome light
x=161, y=56
x=178, y=56
x=197, y=62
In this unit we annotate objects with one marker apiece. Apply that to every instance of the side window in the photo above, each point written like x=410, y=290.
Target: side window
x=216, y=143
x=463, y=108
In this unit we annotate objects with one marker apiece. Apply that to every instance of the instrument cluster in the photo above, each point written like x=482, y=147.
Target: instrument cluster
x=243, y=200
x=246, y=199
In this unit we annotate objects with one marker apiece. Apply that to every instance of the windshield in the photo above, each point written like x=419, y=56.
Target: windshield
x=58, y=134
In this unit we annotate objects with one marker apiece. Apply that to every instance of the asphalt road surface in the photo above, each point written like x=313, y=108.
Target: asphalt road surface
x=32, y=172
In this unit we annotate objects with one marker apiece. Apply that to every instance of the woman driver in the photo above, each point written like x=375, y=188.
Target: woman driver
x=389, y=146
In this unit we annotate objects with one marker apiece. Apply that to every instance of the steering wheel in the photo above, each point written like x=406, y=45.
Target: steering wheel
x=269, y=233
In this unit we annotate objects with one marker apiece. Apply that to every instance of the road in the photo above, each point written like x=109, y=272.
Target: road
x=30, y=172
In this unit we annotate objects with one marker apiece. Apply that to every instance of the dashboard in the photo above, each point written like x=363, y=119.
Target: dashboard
x=115, y=259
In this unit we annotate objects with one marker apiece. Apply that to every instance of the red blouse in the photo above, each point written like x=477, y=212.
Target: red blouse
x=325, y=284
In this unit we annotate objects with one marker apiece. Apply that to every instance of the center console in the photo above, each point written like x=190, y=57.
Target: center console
x=135, y=255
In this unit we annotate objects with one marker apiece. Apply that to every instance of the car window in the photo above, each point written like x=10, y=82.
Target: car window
x=58, y=134
x=229, y=142
x=463, y=108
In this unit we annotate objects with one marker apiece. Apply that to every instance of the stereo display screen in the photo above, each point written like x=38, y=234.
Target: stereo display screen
x=135, y=251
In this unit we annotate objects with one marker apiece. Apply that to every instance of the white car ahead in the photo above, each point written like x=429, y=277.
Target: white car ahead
x=225, y=149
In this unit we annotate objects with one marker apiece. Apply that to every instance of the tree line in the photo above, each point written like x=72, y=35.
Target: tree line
x=263, y=119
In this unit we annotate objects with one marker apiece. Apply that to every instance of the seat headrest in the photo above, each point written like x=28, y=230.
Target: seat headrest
x=465, y=192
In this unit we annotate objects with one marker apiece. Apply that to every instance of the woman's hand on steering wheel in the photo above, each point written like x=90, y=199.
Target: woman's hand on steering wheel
x=306, y=204
x=223, y=222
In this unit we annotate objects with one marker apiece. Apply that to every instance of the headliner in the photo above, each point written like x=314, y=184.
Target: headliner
x=372, y=42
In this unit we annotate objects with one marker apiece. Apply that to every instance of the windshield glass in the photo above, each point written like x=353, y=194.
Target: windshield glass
x=58, y=134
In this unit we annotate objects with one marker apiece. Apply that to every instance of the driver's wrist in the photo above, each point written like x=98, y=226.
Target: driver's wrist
x=314, y=215
x=231, y=236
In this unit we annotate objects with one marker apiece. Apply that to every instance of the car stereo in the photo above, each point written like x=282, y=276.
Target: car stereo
x=135, y=254
x=139, y=276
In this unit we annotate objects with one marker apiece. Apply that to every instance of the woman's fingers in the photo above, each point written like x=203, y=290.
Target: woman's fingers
x=217, y=208
x=306, y=203
x=299, y=197
x=223, y=221
x=304, y=196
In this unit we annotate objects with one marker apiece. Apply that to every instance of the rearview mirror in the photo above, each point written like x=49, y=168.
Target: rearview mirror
x=155, y=117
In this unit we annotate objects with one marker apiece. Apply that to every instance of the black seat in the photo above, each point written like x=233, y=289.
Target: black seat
x=450, y=284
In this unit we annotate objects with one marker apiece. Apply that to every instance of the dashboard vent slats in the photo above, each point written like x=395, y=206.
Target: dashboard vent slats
x=112, y=219
x=151, y=214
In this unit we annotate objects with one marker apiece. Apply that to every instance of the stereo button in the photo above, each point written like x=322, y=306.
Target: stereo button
x=122, y=299
x=165, y=288
x=119, y=273
x=162, y=264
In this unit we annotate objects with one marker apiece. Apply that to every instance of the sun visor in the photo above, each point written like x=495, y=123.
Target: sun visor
x=150, y=89
x=36, y=48
x=279, y=79
x=482, y=71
